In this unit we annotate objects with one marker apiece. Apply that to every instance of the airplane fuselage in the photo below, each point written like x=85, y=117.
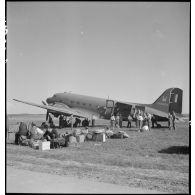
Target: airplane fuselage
x=84, y=106
x=100, y=107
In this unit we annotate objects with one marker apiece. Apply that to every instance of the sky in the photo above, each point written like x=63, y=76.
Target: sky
x=129, y=51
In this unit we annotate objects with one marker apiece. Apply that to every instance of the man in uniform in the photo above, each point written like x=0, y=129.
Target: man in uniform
x=170, y=119
x=129, y=121
x=173, y=119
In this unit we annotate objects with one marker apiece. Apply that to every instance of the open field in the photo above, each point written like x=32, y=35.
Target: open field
x=155, y=160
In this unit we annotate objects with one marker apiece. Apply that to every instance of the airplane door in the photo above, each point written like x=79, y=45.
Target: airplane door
x=122, y=108
x=109, y=108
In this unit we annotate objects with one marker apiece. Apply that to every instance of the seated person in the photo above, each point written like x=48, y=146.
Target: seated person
x=50, y=134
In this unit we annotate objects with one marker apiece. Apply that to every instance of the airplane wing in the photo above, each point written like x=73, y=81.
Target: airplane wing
x=156, y=112
x=162, y=114
x=61, y=110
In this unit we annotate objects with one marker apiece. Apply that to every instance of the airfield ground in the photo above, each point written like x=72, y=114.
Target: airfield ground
x=156, y=160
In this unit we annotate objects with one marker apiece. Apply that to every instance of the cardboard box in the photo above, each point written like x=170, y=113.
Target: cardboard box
x=80, y=138
x=44, y=145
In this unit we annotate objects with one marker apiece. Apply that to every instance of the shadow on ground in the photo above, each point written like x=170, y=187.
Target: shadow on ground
x=176, y=150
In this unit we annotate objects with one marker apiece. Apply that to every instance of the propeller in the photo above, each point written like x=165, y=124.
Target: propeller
x=47, y=114
x=44, y=103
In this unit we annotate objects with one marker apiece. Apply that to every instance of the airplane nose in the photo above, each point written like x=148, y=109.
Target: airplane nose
x=49, y=100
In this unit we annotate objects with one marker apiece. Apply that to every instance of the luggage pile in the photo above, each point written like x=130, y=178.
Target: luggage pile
x=36, y=138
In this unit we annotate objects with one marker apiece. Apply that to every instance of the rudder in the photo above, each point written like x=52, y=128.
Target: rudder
x=170, y=100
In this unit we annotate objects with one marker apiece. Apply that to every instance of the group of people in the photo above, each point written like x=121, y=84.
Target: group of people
x=65, y=121
x=116, y=121
x=140, y=117
x=31, y=131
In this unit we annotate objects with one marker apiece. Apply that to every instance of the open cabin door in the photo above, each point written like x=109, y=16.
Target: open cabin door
x=123, y=109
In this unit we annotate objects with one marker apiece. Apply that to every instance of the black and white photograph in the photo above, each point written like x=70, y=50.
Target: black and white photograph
x=97, y=97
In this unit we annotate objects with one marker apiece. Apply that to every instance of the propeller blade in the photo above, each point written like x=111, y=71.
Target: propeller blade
x=44, y=103
x=47, y=115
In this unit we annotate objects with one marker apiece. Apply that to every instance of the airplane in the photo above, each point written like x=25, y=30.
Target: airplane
x=83, y=106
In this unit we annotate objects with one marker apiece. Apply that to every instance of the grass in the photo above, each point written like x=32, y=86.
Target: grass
x=157, y=160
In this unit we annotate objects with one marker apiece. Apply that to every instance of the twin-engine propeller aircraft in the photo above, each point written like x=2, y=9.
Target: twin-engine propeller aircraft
x=82, y=106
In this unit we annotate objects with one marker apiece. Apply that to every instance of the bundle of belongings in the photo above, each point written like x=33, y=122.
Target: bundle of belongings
x=77, y=136
x=144, y=128
x=120, y=134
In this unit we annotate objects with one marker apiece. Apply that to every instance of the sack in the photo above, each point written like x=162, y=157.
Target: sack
x=109, y=133
x=25, y=142
x=17, y=138
x=145, y=128
x=80, y=138
x=61, y=141
x=72, y=139
x=77, y=132
x=23, y=129
x=89, y=136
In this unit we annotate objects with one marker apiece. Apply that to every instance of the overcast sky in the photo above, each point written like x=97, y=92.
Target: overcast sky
x=130, y=51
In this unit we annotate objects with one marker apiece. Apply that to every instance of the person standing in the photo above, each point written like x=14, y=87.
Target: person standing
x=149, y=116
x=93, y=120
x=120, y=121
x=60, y=121
x=117, y=121
x=154, y=121
x=170, y=118
x=138, y=119
x=141, y=118
x=173, y=119
x=71, y=121
x=129, y=121
x=112, y=121
x=135, y=115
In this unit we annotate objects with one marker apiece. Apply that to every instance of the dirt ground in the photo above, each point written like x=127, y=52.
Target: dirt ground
x=23, y=181
x=157, y=160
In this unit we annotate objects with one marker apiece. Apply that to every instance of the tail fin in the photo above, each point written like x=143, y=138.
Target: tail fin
x=170, y=100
